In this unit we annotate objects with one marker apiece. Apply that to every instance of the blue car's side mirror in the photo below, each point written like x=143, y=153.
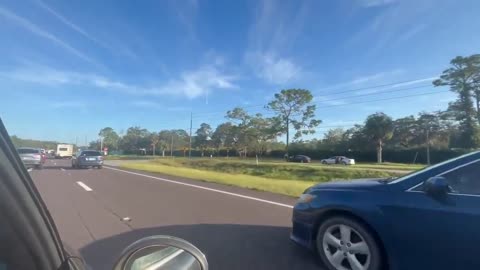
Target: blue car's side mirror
x=436, y=187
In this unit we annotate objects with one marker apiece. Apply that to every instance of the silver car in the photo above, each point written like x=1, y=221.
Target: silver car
x=31, y=157
x=87, y=158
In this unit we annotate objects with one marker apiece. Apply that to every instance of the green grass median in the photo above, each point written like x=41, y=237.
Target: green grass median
x=288, y=179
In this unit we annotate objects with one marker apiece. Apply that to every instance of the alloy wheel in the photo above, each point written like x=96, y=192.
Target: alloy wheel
x=345, y=248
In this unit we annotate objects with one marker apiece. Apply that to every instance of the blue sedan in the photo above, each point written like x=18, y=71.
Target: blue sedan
x=429, y=219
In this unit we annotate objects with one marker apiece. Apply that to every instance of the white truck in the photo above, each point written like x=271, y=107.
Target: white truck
x=64, y=151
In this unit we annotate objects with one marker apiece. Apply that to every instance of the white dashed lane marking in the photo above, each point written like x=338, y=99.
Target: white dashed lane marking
x=87, y=188
x=203, y=188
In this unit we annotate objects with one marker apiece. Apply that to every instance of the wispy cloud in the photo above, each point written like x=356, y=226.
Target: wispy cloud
x=273, y=32
x=70, y=24
x=148, y=104
x=190, y=84
x=364, y=80
x=397, y=21
x=375, y=77
x=145, y=104
x=118, y=48
x=27, y=25
x=273, y=69
x=322, y=100
x=410, y=33
x=413, y=82
x=375, y=3
x=186, y=13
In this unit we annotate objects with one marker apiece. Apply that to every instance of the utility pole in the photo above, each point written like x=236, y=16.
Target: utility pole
x=428, y=147
x=190, y=143
x=171, y=147
x=101, y=143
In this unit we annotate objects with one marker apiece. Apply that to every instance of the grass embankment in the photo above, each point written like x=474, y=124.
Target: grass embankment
x=128, y=157
x=391, y=166
x=288, y=179
x=382, y=166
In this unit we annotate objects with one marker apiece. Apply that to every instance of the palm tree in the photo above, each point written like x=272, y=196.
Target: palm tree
x=379, y=128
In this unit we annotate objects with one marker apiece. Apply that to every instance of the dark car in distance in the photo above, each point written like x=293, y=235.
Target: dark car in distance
x=429, y=219
x=299, y=158
x=87, y=158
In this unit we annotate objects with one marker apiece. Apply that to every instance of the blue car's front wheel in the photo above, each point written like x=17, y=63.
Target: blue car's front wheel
x=345, y=244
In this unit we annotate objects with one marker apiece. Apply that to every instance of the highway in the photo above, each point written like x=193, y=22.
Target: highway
x=101, y=211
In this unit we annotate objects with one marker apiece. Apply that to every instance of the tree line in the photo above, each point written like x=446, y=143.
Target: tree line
x=293, y=112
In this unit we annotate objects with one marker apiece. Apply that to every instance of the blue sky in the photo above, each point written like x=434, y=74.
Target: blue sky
x=70, y=68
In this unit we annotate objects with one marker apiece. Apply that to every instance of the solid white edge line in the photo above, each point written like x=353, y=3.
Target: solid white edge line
x=87, y=188
x=200, y=187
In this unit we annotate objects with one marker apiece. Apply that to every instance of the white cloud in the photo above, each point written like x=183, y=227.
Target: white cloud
x=274, y=69
x=26, y=24
x=190, y=84
x=199, y=82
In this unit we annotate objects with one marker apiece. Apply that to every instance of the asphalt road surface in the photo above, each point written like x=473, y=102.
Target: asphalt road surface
x=101, y=211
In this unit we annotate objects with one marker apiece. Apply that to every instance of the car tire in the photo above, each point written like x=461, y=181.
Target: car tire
x=359, y=235
x=39, y=167
x=99, y=167
x=324, y=162
x=345, y=163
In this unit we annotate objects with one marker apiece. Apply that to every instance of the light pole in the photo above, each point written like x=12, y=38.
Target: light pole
x=190, y=142
x=171, y=147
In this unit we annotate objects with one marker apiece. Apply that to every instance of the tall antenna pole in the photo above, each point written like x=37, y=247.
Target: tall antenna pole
x=190, y=143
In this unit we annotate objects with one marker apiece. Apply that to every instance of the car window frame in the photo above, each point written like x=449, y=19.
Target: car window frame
x=19, y=191
x=417, y=187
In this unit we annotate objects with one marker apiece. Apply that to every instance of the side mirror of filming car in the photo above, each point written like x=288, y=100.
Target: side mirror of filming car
x=437, y=187
x=161, y=253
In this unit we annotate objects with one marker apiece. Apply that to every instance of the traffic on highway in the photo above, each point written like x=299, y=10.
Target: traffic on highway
x=362, y=224
x=248, y=134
